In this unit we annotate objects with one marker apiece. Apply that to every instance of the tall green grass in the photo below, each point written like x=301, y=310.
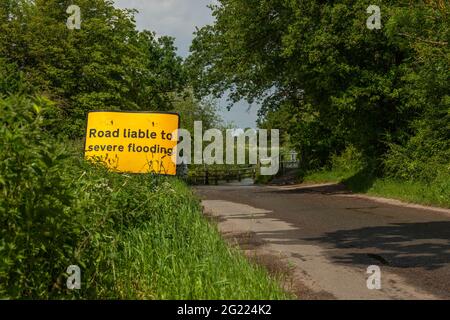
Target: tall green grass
x=436, y=193
x=133, y=236
x=360, y=177
x=179, y=255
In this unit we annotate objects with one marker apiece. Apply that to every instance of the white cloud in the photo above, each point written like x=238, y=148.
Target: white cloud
x=176, y=18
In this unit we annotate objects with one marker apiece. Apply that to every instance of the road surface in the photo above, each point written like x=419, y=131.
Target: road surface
x=321, y=240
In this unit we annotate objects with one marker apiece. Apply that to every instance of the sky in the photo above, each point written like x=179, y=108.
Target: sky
x=179, y=18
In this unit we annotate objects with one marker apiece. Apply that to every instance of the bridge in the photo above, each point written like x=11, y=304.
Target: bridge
x=214, y=176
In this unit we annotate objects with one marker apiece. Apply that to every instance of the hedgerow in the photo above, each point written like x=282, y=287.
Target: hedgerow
x=133, y=236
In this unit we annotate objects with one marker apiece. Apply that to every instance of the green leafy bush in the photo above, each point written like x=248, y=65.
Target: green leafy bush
x=327, y=81
x=133, y=236
x=38, y=232
x=350, y=160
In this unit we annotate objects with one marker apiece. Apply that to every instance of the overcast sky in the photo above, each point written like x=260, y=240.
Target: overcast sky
x=178, y=18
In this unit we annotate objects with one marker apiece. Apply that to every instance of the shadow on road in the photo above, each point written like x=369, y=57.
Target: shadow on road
x=423, y=244
x=362, y=180
x=335, y=188
x=346, y=231
x=401, y=245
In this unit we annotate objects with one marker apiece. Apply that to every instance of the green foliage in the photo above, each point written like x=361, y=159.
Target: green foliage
x=33, y=203
x=180, y=256
x=327, y=81
x=341, y=167
x=11, y=79
x=133, y=236
x=105, y=65
x=359, y=175
x=350, y=160
x=192, y=109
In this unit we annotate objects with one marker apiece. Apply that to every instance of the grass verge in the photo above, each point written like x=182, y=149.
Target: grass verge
x=133, y=236
x=436, y=193
x=180, y=255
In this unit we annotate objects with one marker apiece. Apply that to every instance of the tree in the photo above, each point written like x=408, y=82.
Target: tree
x=107, y=64
x=316, y=61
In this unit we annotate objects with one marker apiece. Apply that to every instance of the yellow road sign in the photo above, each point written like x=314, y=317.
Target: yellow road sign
x=135, y=142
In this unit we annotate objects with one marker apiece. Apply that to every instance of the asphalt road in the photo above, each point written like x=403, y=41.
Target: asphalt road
x=327, y=238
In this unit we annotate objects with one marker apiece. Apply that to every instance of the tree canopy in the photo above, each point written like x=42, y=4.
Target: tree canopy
x=107, y=64
x=327, y=80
